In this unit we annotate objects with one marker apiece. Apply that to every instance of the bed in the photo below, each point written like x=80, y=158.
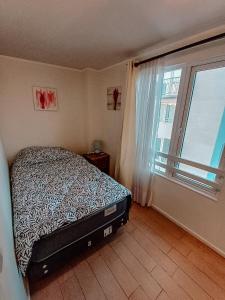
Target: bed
x=61, y=205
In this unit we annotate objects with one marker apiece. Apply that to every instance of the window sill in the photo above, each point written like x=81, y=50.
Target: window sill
x=213, y=197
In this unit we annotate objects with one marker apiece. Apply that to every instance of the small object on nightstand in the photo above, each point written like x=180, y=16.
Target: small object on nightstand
x=100, y=160
x=97, y=146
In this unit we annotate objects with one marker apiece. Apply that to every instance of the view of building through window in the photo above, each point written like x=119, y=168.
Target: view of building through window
x=171, y=82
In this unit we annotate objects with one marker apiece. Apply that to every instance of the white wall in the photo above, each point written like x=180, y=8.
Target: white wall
x=11, y=283
x=106, y=124
x=82, y=116
x=201, y=216
x=21, y=125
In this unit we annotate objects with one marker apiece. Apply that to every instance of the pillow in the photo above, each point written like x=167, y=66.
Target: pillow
x=39, y=154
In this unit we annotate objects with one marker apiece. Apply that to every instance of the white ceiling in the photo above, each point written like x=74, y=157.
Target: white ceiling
x=98, y=33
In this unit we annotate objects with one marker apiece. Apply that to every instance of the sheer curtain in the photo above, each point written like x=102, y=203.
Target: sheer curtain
x=148, y=95
x=125, y=165
x=141, y=118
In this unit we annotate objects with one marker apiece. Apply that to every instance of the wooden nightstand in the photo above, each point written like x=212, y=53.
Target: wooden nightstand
x=100, y=160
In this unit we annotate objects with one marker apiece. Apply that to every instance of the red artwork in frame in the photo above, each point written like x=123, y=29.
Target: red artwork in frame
x=45, y=99
x=114, y=98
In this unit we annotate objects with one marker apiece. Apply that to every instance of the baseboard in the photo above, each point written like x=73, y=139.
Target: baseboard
x=196, y=235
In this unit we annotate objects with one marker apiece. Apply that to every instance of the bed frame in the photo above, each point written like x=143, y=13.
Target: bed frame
x=53, y=251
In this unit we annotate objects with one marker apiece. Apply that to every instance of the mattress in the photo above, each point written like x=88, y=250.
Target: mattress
x=53, y=188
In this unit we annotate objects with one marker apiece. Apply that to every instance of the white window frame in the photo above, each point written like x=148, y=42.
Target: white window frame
x=210, y=188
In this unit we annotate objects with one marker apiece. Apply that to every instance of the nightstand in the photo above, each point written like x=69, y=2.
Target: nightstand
x=100, y=160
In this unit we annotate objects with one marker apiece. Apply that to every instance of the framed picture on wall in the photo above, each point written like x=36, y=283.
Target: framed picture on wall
x=114, y=98
x=45, y=99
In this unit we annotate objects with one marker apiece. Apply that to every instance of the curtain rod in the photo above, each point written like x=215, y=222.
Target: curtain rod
x=201, y=42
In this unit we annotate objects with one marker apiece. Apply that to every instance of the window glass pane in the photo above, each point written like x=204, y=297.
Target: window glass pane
x=171, y=82
x=194, y=171
x=205, y=130
x=162, y=112
x=160, y=169
x=158, y=144
x=166, y=145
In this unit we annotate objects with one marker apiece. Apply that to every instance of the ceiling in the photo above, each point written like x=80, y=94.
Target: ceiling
x=98, y=33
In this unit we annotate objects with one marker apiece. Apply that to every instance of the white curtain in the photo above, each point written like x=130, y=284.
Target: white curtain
x=125, y=165
x=141, y=118
x=148, y=95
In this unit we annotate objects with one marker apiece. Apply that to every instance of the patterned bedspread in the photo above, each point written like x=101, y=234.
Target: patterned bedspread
x=51, y=187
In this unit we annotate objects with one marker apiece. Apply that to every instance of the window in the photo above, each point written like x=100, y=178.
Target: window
x=167, y=112
x=166, y=145
x=204, y=137
x=171, y=82
x=197, y=151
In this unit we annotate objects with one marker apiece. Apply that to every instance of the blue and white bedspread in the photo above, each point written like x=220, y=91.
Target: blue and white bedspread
x=51, y=187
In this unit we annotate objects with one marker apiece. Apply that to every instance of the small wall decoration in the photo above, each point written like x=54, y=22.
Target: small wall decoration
x=45, y=99
x=114, y=98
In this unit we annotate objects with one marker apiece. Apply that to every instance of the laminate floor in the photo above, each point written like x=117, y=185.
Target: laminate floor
x=149, y=258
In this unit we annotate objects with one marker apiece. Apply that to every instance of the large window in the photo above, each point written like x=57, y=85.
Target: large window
x=198, y=139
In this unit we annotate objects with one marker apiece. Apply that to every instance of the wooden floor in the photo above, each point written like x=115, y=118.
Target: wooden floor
x=149, y=258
